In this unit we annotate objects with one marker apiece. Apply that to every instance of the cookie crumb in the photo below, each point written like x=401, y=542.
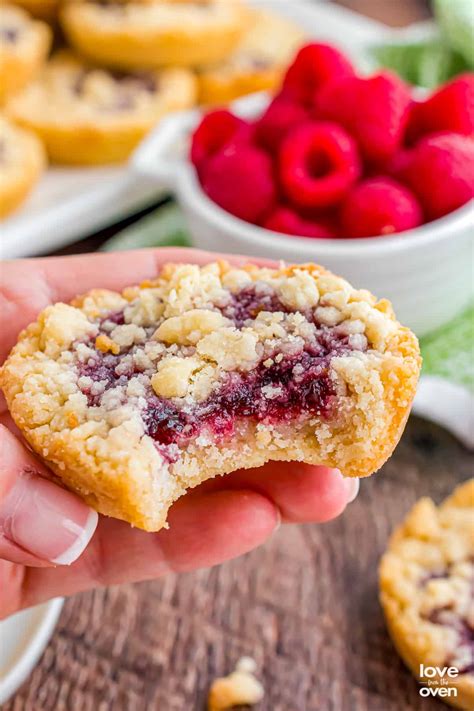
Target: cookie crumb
x=240, y=688
x=104, y=344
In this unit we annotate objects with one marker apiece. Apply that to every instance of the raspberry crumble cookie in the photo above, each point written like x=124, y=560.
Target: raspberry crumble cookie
x=258, y=62
x=427, y=590
x=24, y=45
x=22, y=161
x=133, y=398
x=87, y=115
x=152, y=34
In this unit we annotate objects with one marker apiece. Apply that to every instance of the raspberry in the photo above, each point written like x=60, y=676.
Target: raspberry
x=240, y=180
x=285, y=220
x=451, y=108
x=281, y=115
x=318, y=163
x=215, y=130
x=440, y=172
x=379, y=206
x=314, y=65
x=374, y=111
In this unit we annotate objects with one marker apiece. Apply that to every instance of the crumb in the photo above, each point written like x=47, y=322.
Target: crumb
x=240, y=688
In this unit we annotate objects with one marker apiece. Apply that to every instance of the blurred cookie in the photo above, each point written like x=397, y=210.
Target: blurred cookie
x=148, y=35
x=427, y=593
x=22, y=159
x=258, y=62
x=90, y=116
x=24, y=45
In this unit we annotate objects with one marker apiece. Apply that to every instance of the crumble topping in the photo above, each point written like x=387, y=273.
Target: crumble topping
x=197, y=351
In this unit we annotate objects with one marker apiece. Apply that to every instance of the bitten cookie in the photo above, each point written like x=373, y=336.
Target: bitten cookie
x=258, y=62
x=22, y=160
x=154, y=34
x=24, y=45
x=427, y=592
x=133, y=398
x=90, y=116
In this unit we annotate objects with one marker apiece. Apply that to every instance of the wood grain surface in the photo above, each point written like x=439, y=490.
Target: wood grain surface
x=304, y=606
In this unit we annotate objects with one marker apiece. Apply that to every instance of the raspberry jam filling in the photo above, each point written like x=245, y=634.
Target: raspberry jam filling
x=274, y=394
x=288, y=383
x=250, y=301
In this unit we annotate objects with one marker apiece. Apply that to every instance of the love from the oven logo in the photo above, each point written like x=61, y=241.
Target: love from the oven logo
x=437, y=681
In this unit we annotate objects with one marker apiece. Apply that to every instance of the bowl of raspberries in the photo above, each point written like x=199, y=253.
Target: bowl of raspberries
x=360, y=173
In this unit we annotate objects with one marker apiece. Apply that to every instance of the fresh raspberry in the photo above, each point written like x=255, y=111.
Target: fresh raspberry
x=314, y=65
x=379, y=206
x=373, y=110
x=440, y=172
x=451, y=108
x=285, y=220
x=318, y=163
x=396, y=166
x=240, y=180
x=281, y=115
x=215, y=130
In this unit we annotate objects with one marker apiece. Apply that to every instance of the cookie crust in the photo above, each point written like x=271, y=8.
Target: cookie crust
x=426, y=589
x=156, y=34
x=88, y=116
x=22, y=164
x=24, y=46
x=258, y=62
x=237, y=384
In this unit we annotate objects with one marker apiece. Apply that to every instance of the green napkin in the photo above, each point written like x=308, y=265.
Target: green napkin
x=438, y=56
x=164, y=227
x=449, y=351
x=426, y=63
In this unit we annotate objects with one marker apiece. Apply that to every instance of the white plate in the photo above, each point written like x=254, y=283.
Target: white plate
x=69, y=204
x=23, y=638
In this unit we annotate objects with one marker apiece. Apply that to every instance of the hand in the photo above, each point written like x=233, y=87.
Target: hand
x=52, y=543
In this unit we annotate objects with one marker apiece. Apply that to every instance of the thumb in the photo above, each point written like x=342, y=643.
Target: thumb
x=40, y=522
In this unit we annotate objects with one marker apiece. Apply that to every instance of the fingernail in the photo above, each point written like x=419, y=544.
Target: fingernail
x=277, y=520
x=352, y=488
x=42, y=518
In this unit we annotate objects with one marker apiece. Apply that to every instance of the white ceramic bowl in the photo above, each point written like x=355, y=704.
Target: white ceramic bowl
x=427, y=273
x=23, y=639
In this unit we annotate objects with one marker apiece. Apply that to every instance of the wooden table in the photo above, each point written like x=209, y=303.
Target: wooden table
x=304, y=605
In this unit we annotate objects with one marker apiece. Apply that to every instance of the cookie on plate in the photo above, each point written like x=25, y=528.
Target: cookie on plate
x=257, y=64
x=22, y=160
x=133, y=398
x=427, y=592
x=154, y=34
x=24, y=46
x=91, y=116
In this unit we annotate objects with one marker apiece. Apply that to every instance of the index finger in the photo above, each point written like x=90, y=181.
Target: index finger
x=29, y=285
